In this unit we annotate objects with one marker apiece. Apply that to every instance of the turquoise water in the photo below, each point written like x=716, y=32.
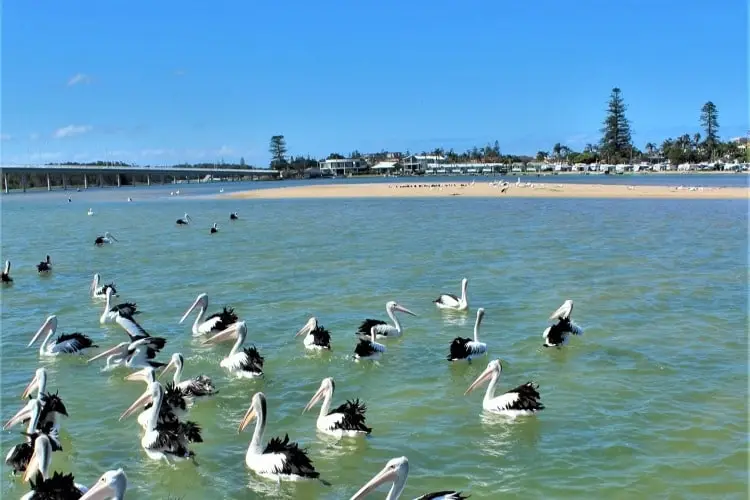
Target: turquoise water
x=651, y=402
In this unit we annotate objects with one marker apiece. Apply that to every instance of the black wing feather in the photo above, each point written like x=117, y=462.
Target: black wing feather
x=458, y=348
x=297, y=462
x=366, y=326
x=354, y=416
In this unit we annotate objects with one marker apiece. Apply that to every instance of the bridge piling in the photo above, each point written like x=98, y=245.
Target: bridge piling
x=85, y=181
x=118, y=180
x=65, y=182
x=148, y=180
x=23, y=182
x=101, y=180
x=49, y=184
x=6, y=183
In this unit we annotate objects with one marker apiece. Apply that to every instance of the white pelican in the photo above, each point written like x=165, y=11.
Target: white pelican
x=368, y=349
x=174, y=406
x=110, y=313
x=186, y=219
x=196, y=387
x=523, y=400
x=214, y=228
x=396, y=471
x=557, y=334
x=90, y=212
x=170, y=439
x=383, y=329
x=280, y=459
x=133, y=355
x=245, y=363
x=44, y=266
x=58, y=486
x=19, y=456
x=215, y=323
x=68, y=343
x=450, y=301
x=5, y=276
x=107, y=239
x=233, y=216
x=52, y=405
x=99, y=291
x=346, y=420
x=466, y=348
x=316, y=337
x=111, y=486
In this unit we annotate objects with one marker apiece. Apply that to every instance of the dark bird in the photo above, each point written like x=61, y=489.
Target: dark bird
x=557, y=334
x=233, y=216
x=5, y=276
x=45, y=266
x=214, y=228
x=186, y=219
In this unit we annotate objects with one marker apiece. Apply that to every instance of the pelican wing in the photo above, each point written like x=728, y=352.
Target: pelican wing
x=321, y=337
x=458, y=348
x=353, y=413
x=564, y=311
x=73, y=342
x=131, y=327
x=295, y=460
x=447, y=299
x=198, y=386
x=366, y=326
x=443, y=495
x=57, y=486
x=524, y=397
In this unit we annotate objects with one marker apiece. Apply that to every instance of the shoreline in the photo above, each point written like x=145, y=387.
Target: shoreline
x=425, y=189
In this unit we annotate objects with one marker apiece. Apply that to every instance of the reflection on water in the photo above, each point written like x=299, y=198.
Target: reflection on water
x=455, y=318
x=502, y=434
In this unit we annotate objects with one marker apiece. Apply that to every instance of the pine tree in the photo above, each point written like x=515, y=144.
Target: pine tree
x=277, y=148
x=616, y=140
x=710, y=124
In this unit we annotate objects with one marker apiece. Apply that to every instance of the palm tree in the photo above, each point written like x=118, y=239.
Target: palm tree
x=556, y=150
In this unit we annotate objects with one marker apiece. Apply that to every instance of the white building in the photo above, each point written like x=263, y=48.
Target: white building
x=343, y=167
x=420, y=163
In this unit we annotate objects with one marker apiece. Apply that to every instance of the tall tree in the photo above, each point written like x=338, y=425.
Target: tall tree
x=277, y=148
x=710, y=124
x=615, y=143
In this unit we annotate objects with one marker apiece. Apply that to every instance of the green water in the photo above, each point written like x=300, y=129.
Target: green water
x=651, y=402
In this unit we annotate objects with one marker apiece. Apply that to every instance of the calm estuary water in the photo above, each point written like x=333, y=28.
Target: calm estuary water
x=651, y=402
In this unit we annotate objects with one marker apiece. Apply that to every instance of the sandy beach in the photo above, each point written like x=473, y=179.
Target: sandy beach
x=491, y=190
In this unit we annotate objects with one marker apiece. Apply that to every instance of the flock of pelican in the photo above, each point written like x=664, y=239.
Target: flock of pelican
x=163, y=408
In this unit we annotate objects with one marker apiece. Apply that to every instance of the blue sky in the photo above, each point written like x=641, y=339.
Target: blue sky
x=164, y=82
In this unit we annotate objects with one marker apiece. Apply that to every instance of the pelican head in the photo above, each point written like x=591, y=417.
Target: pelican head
x=121, y=349
x=493, y=370
x=153, y=392
x=49, y=325
x=147, y=375
x=311, y=325
x=234, y=330
x=95, y=283
x=111, y=485
x=186, y=216
x=6, y=270
x=107, y=234
x=392, y=306
x=327, y=386
x=564, y=311
x=176, y=362
x=257, y=408
x=201, y=301
x=38, y=382
x=395, y=471
x=31, y=411
x=40, y=459
x=215, y=226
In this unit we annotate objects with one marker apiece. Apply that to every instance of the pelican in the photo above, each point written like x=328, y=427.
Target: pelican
x=557, y=334
x=90, y=212
x=215, y=323
x=174, y=406
x=44, y=266
x=369, y=349
x=111, y=486
x=523, y=400
x=186, y=219
x=5, y=276
x=450, y=301
x=19, y=456
x=280, y=459
x=214, y=228
x=164, y=440
x=346, y=420
x=66, y=343
x=233, y=216
x=110, y=313
x=58, y=486
x=52, y=405
x=135, y=331
x=465, y=348
x=396, y=471
x=196, y=387
x=383, y=329
x=99, y=291
x=133, y=355
x=107, y=239
x=316, y=337
x=245, y=363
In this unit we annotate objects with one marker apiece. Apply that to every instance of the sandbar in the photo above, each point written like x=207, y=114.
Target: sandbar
x=494, y=190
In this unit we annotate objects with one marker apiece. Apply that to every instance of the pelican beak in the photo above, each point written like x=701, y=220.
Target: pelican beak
x=139, y=376
x=142, y=401
x=32, y=385
x=200, y=300
x=309, y=326
x=483, y=377
x=19, y=417
x=227, y=334
x=119, y=348
x=403, y=309
x=100, y=491
x=171, y=364
x=32, y=467
x=94, y=282
x=384, y=476
x=249, y=417
x=49, y=324
x=113, y=237
x=317, y=397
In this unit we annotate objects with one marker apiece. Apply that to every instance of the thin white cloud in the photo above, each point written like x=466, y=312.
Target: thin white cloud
x=224, y=150
x=157, y=152
x=71, y=131
x=5, y=137
x=79, y=78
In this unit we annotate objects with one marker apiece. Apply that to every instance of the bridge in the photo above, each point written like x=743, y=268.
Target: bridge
x=159, y=174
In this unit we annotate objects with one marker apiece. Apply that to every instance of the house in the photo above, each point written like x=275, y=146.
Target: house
x=343, y=167
x=385, y=167
x=420, y=163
